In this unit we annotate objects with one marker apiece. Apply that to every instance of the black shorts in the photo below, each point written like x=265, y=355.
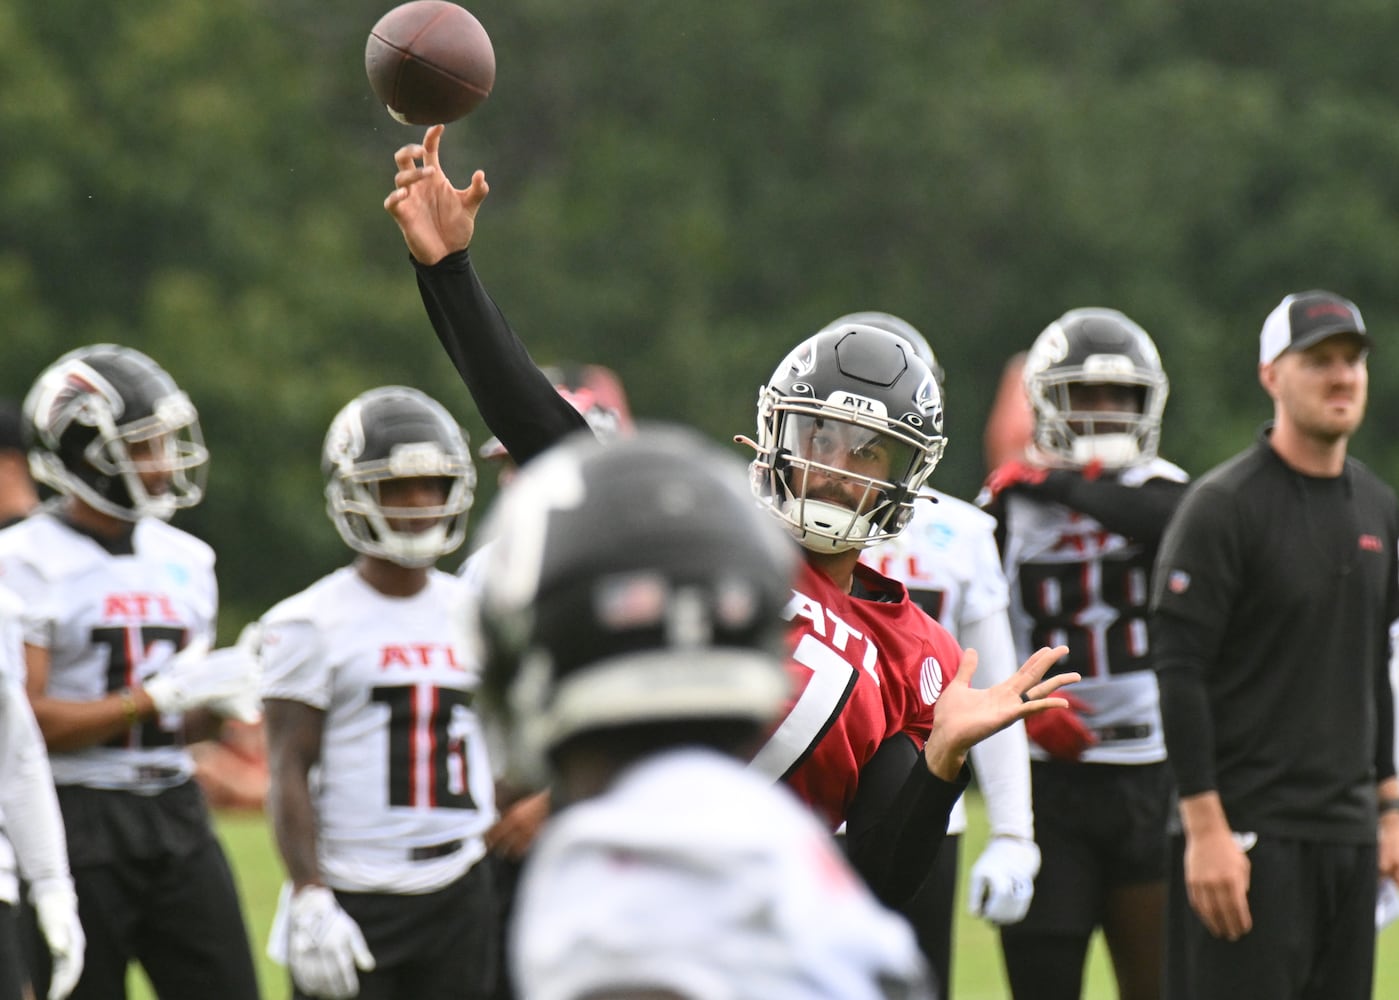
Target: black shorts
x=434, y=946
x=12, y=976
x=153, y=887
x=1098, y=827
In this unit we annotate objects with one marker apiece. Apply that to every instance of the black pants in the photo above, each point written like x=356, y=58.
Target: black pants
x=1313, y=936
x=12, y=975
x=434, y=946
x=153, y=887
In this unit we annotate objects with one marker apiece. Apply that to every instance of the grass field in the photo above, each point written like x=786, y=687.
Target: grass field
x=977, y=971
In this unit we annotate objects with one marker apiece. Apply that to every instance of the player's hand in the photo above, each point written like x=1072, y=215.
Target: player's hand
x=966, y=715
x=1217, y=874
x=56, y=908
x=436, y=219
x=197, y=677
x=1389, y=846
x=513, y=834
x=246, y=704
x=1002, y=882
x=1015, y=474
x=1061, y=732
x=327, y=949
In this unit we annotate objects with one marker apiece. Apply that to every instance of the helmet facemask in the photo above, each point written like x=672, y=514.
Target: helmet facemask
x=148, y=465
x=386, y=436
x=838, y=477
x=1112, y=438
x=367, y=525
x=1095, y=382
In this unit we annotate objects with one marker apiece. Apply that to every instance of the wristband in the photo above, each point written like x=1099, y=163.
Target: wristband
x=128, y=707
x=1389, y=806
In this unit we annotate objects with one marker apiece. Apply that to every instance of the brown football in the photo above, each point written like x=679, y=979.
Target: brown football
x=429, y=62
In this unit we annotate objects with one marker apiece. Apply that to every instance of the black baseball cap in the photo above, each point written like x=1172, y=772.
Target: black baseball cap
x=1306, y=318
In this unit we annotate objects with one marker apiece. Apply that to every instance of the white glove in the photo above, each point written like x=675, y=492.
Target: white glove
x=246, y=705
x=326, y=946
x=56, y=907
x=197, y=677
x=1003, y=880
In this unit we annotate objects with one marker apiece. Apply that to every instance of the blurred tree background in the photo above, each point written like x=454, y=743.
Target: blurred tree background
x=682, y=193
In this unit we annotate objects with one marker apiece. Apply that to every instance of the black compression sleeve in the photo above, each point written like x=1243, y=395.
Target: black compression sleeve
x=898, y=819
x=1137, y=512
x=515, y=399
x=1384, y=717
x=1185, y=708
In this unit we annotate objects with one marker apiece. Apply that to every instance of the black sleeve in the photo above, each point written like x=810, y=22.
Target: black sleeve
x=1384, y=719
x=898, y=820
x=1197, y=574
x=1140, y=513
x=1185, y=706
x=515, y=399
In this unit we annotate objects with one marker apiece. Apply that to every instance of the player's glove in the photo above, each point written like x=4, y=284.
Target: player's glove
x=1015, y=474
x=327, y=950
x=1003, y=880
x=197, y=677
x=246, y=705
x=56, y=908
x=1061, y=732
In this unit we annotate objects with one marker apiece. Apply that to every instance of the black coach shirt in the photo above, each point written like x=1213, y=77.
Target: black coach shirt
x=1273, y=595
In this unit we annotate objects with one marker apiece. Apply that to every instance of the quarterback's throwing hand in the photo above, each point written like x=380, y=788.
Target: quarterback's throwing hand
x=436, y=219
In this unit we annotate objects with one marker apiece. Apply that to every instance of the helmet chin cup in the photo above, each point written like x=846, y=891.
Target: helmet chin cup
x=1111, y=451
x=826, y=527
x=417, y=549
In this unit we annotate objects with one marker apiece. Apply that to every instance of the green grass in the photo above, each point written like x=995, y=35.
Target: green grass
x=977, y=970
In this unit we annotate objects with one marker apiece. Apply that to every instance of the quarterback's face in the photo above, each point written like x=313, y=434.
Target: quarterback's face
x=834, y=449
x=1322, y=390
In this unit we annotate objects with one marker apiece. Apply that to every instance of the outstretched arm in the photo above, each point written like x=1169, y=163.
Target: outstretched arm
x=438, y=222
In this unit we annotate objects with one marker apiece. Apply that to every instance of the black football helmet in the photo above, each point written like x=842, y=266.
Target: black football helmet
x=109, y=426
x=902, y=328
x=394, y=432
x=850, y=391
x=1095, y=347
x=630, y=583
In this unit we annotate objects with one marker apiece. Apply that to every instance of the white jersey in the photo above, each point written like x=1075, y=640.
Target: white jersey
x=695, y=874
x=948, y=559
x=110, y=622
x=31, y=828
x=403, y=792
x=1075, y=583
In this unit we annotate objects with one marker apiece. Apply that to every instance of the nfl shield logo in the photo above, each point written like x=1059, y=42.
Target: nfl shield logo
x=1178, y=582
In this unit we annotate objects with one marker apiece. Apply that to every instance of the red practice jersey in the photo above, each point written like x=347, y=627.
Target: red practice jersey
x=865, y=670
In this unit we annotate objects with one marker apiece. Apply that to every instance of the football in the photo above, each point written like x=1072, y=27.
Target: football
x=429, y=62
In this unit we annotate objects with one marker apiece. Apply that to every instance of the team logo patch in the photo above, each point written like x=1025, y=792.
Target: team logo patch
x=1178, y=582
x=930, y=680
x=1371, y=543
